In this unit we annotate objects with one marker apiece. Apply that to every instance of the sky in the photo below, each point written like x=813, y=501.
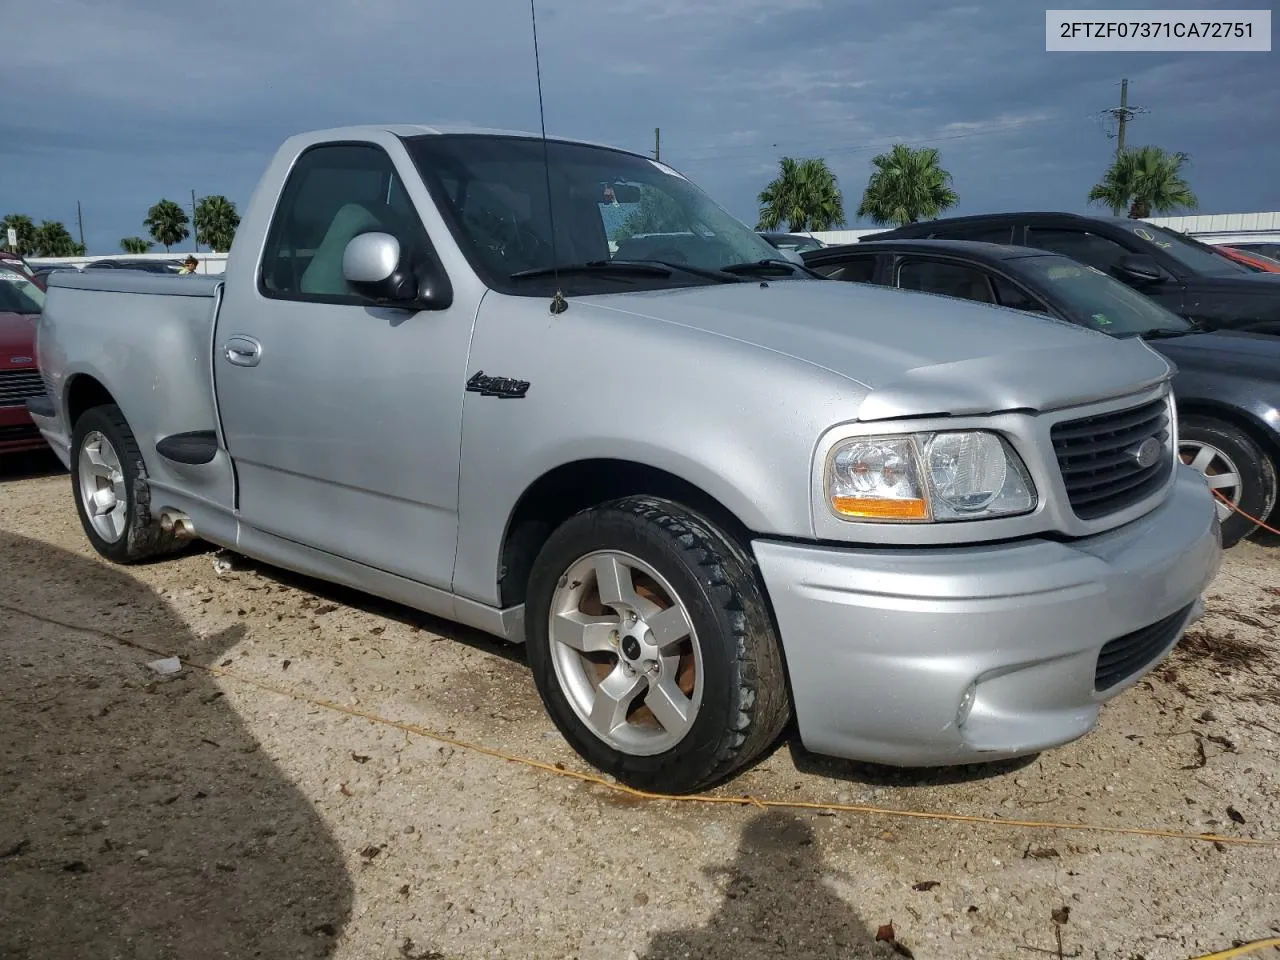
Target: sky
x=117, y=104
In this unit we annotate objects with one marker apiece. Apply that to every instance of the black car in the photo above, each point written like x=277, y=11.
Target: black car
x=1190, y=278
x=141, y=263
x=1227, y=387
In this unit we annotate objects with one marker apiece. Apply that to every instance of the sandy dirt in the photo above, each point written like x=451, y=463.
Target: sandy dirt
x=253, y=813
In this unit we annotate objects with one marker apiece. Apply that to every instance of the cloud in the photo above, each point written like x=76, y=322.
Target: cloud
x=137, y=99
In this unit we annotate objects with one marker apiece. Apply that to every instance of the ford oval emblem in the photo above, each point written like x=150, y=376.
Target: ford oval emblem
x=21, y=359
x=1147, y=452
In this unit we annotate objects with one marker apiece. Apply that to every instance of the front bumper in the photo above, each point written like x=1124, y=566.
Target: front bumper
x=885, y=646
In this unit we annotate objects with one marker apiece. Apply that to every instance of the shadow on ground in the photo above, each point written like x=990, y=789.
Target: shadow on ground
x=30, y=466
x=776, y=904
x=138, y=817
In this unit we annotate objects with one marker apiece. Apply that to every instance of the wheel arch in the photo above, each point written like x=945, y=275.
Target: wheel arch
x=564, y=490
x=1234, y=416
x=83, y=392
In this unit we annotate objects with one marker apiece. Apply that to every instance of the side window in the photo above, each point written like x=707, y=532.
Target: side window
x=1009, y=295
x=1088, y=248
x=950, y=279
x=333, y=194
x=855, y=269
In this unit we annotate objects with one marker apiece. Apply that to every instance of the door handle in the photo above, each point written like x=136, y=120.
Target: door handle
x=242, y=351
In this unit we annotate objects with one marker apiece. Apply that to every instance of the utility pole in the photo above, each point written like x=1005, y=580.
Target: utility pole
x=657, y=143
x=80, y=221
x=1122, y=115
x=195, y=236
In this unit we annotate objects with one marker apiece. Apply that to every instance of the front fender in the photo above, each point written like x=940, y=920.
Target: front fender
x=734, y=420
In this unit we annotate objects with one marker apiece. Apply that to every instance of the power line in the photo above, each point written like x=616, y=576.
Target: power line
x=1122, y=115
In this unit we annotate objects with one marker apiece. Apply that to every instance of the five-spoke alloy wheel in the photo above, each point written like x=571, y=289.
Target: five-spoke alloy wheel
x=652, y=646
x=108, y=479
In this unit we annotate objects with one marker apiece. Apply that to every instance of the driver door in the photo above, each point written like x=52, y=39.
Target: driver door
x=344, y=418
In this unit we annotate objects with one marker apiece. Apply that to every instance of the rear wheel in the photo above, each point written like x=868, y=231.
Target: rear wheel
x=108, y=479
x=1240, y=474
x=652, y=645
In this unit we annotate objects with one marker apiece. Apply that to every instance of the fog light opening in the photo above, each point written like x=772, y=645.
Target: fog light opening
x=966, y=703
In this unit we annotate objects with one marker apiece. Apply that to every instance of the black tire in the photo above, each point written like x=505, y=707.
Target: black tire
x=745, y=704
x=142, y=538
x=1257, y=473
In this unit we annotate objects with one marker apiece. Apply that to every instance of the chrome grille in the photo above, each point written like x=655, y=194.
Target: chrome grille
x=16, y=386
x=1098, y=458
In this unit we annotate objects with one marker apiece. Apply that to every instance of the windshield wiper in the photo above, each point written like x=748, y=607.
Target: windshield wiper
x=620, y=267
x=1165, y=333
x=720, y=276
x=767, y=268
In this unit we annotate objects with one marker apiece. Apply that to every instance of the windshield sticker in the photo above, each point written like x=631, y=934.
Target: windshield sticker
x=1147, y=236
x=1062, y=273
x=1101, y=320
x=668, y=171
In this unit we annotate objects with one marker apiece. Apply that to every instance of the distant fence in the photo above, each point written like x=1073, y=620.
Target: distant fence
x=209, y=262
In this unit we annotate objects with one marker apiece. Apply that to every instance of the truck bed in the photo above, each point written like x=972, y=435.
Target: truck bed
x=158, y=359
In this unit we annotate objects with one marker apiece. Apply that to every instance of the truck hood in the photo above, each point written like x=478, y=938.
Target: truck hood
x=917, y=354
x=1225, y=351
x=17, y=340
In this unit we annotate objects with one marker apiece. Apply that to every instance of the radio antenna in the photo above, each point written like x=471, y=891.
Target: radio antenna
x=558, y=303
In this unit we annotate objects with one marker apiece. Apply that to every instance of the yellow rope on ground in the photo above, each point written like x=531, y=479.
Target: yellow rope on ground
x=741, y=801
x=1242, y=950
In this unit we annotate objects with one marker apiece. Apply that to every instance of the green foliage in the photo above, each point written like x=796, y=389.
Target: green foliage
x=804, y=196
x=54, y=240
x=135, y=244
x=1145, y=180
x=167, y=223
x=216, y=223
x=906, y=186
x=26, y=229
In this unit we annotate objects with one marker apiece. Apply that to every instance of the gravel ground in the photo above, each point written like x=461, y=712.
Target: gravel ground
x=251, y=811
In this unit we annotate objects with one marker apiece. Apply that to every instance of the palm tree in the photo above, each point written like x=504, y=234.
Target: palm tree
x=135, y=244
x=805, y=196
x=25, y=228
x=1146, y=180
x=216, y=223
x=167, y=222
x=907, y=185
x=53, y=240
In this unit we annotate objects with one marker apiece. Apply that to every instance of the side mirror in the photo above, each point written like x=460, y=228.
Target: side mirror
x=376, y=267
x=1138, y=268
x=792, y=256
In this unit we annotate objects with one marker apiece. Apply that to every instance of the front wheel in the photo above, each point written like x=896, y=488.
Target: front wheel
x=1240, y=474
x=108, y=479
x=652, y=645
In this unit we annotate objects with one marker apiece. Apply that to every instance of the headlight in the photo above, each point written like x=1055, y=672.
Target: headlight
x=955, y=475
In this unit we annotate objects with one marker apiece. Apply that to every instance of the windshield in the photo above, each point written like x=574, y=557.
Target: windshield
x=1192, y=254
x=1104, y=303
x=18, y=294
x=606, y=205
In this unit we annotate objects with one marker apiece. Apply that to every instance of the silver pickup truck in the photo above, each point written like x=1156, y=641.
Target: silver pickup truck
x=551, y=390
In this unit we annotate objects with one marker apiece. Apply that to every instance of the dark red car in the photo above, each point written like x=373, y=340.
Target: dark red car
x=21, y=301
